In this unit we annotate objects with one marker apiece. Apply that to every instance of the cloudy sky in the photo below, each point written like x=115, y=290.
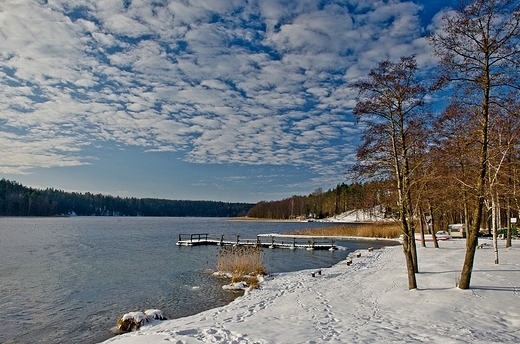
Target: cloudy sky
x=231, y=100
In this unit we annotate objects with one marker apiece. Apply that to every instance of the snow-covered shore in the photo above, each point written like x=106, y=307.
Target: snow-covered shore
x=367, y=301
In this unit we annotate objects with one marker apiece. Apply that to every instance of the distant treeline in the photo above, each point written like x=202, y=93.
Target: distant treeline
x=19, y=200
x=321, y=204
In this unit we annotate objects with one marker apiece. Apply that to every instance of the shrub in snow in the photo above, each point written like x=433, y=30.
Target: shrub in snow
x=243, y=264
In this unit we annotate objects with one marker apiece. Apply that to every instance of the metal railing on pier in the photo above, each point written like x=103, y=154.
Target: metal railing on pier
x=262, y=240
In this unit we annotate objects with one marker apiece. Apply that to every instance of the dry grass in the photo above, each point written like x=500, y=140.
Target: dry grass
x=389, y=230
x=243, y=263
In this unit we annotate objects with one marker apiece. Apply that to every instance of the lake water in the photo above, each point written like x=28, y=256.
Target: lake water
x=67, y=280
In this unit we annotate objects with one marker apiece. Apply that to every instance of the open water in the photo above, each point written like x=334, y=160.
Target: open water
x=67, y=280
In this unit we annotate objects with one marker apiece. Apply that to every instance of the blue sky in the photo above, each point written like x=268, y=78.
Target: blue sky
x=227, y=100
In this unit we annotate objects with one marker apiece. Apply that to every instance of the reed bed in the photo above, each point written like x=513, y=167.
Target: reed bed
x=388, y=230
x=242, y=263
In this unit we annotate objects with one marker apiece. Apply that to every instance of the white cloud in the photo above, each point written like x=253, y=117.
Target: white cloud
x=259, y=82
x=20, y=153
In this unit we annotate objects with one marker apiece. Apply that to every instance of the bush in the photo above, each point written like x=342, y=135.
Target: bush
x=242, y=263
x=514, y=231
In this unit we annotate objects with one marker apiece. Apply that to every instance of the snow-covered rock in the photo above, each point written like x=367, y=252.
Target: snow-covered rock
x=154, y=314
x=132, y=321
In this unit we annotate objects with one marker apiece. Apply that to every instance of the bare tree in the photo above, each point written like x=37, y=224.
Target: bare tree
x=479, y=49
x=389, y=105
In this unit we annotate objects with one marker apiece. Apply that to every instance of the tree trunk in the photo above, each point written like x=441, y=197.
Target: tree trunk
x=434, y=237
x=467, y=221
x=407, y=197
x=508, y=221
x=472, y=237
x=410, y=268
x=414, y=252
x=494, y=227
x=423, y=243
x=411, y=241
x=472, y=240
x=471, y=246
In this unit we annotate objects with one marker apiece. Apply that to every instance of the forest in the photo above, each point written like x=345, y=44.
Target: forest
x=320, y=204
x=442, y=142
x=19, y=200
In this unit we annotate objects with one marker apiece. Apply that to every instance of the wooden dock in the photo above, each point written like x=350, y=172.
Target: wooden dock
x=261, y=240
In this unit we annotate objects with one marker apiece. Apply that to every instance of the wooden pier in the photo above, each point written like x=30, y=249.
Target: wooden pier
x=261, y=240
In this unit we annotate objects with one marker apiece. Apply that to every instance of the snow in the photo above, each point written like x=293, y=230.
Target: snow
x=236, y=286
x=154, y=314
x=139, y=317
x=367, y=301
x=354, y=216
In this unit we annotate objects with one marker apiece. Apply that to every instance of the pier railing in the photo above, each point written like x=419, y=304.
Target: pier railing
x=263, y=240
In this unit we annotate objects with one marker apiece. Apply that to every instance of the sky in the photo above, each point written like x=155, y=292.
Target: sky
x=226, y=100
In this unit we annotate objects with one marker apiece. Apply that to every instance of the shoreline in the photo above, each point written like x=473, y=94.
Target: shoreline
x=346, y=222
x=245, y=218
x=394, y=241
x=367, y=301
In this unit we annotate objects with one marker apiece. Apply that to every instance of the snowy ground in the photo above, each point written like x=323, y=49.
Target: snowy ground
x=366, y=302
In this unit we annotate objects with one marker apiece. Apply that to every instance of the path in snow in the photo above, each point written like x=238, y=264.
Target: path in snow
x=366, y=302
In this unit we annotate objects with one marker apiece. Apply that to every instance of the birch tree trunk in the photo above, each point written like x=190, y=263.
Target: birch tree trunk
x=494, y=226
x=508, y=220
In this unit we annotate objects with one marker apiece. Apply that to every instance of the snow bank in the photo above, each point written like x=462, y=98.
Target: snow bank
x=367, y=301
x=354, y=216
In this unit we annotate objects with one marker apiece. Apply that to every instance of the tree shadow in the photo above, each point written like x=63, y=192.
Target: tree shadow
x=495, y=288
x=437, y=272
x=475, y=271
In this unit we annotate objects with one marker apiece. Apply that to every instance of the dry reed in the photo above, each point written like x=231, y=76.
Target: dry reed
x=389, y=230
x=243, y=263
